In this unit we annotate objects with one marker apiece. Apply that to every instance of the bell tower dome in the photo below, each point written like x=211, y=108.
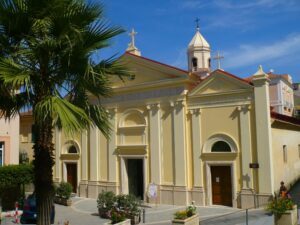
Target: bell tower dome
x=199, y=55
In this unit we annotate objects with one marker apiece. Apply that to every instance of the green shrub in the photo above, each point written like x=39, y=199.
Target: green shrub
x=130, y=204
x=105, y=203
x=111, y=205
x=117, y=216
x=12, y=181
x=14, y=175
x=64, y=190
x=280, y=205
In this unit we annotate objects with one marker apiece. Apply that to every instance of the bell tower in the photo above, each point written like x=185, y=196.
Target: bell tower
x=199, y=54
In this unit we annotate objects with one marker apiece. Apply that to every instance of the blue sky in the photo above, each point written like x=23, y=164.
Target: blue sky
x=247, y=33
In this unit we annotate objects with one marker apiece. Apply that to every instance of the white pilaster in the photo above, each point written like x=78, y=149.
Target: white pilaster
x=57, y=171
x=263, y=132
x=84, y=156
x=94, y=154
x=196, y=146
x=112, y=159
x=178, y=116
x=247, y=175
x=155, y=142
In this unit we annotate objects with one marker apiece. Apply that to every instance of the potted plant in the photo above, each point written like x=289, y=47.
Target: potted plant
x=284, y=210
x=115, y=207
x=131, y=206
x=118, y=217
x=187, y=216
x=63, y=193
x=105, y=203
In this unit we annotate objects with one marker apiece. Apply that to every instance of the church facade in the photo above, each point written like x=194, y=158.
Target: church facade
x=197, y=135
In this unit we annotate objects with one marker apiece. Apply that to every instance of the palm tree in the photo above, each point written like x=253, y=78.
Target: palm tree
x=47, y=65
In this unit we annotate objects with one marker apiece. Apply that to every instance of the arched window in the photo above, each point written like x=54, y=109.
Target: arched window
x=220, y=146
x=209, y=63
x=195, y=63
x=72, y=149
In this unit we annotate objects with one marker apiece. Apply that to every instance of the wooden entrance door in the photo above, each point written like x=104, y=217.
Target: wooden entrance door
x=72, y=175
x=221, y=185
x=136, y=177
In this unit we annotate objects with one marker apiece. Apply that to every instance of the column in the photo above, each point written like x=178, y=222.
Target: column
x=247, y=193
x=84, y=164
x=179, y=120
x=198, y=190
x=57, y=170
x=196, y=143
x=155, y=142
x=94, y=153
x=245, y=131
x=94, y=162
x=112, y=159
x=263, y=133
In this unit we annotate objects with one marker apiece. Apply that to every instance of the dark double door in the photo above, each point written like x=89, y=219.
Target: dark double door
x=135, y=171
x=221, y=185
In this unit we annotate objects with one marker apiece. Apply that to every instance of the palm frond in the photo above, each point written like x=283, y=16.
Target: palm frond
x=65, y=115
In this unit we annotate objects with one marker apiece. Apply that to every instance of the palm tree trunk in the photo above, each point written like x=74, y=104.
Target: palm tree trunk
x=43, y=163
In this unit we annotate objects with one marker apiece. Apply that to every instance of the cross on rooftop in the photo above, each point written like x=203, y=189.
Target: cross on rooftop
x=132, y=34
x=218, y=57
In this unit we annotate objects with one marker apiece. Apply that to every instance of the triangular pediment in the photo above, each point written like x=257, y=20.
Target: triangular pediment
x=147, y=71
x=219, y=82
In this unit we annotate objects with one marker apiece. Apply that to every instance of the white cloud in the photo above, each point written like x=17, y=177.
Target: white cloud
x=248, y=55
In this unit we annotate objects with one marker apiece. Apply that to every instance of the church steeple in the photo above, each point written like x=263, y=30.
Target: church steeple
x=131, y=46
x=199, y=54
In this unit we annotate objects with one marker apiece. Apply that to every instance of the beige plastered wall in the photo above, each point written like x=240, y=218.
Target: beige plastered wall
x=288, y=171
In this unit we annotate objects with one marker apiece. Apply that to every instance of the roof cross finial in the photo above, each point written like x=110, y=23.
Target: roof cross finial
x=132, y=35
x=218, y=57
x=197, y=23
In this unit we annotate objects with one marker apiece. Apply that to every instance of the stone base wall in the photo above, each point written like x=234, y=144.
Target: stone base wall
x=247, y=199
x=197, y=195
x=91, y=189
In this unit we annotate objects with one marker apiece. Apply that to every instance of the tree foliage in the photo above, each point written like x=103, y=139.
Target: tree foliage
x=14, y=175
x=47, y=64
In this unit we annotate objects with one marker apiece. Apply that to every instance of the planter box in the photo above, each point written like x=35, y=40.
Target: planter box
x=135, y=220
x=125, y=222
x=288, y=218
x=193, y=220
x=63, y=201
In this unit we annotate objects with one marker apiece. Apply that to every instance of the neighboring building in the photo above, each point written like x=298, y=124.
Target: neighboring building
x=296, y=87
x=281, y=93
x=9, y=141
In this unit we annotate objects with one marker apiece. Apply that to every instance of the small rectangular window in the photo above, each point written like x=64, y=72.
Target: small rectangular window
x=284, y=153
x=299, y=150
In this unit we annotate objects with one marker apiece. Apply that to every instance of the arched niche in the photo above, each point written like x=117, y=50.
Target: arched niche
x=132, y=128
x=71, y=147
x=220, y=143
x=131, y=118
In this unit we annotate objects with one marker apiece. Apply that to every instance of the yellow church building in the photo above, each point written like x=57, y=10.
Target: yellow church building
x=197, y=135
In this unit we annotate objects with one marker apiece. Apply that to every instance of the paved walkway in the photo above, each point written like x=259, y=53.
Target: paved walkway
x=84, y=212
